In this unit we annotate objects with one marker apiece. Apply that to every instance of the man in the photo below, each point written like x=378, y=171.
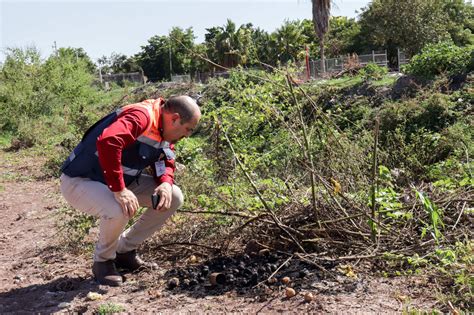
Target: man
x=103, y=177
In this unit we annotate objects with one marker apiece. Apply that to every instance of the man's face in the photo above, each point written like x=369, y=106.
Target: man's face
x=176, y=131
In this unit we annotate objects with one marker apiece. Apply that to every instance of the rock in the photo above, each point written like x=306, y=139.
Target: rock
x=290, y=292
x=308, y=297
x=19, y=277
x=94, y=296
x=155, y=294
x=64, y=305
x=192, y=259
x=272, y=280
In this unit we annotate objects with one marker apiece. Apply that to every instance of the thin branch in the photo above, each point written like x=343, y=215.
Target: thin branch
x=269, y=210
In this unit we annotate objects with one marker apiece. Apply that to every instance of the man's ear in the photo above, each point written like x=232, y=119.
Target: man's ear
x=175, y=117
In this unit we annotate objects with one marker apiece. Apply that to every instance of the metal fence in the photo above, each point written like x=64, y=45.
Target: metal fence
x=122, y=77
x=182, y=78
x=204, y=77
x=337, y=64
x=402, y=58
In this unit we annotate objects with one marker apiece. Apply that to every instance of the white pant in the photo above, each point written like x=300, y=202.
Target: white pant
x=96, y=199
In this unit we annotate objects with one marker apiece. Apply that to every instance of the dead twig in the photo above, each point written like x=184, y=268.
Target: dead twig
x=275, y=272
x=272, y=214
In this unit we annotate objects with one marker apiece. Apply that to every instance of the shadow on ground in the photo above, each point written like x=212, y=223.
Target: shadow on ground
x=48, y=297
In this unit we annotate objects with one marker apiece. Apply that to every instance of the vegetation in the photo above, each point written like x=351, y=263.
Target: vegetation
x=109, y=308
x=442, y=58
x=344, y=167
x=383, y=24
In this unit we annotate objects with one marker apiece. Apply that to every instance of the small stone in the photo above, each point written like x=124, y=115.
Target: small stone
x=94, y=296
x=272, y=280
x=290, y=292
x=155, y=294
x=64, y=305
x=308, y=297
x=285, y=280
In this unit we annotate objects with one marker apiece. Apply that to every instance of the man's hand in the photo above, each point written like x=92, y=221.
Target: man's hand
x=165, y=191
x=129, y=202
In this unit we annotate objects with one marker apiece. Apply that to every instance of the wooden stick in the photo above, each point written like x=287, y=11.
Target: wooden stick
x=274, y=273
x=187, y=244
x=269, y=210
x=460, y=214
x=374, y=176
x=236, y=214
x=307, y=148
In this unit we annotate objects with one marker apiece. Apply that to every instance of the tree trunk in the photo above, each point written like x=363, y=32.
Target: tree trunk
x=323, y=61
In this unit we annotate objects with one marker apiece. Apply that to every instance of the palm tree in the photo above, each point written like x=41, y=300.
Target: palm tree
x=321, y=13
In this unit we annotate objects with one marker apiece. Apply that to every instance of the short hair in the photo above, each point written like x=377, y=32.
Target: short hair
x=183, y=105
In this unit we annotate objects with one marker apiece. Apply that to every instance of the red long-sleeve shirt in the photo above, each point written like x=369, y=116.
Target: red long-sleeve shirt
x=129, y=125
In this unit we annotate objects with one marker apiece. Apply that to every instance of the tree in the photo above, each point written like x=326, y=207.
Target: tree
x=321, y=13
x=290, y=41
x=412, y=24
x=263, y=50
x=461, y=21
x=230, y=46
x=154, y=58
x=118, y=63
x=342, y=36
x=78, y=54
x=167, y=55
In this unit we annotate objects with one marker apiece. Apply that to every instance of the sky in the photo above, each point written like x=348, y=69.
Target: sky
x=106, y=26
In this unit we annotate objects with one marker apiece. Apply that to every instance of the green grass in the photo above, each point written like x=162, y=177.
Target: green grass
x=347, y=81
x=110, y=308
x=5, y=140
x=385, y=81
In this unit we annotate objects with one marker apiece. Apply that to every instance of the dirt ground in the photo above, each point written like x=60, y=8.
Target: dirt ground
x=39, y=275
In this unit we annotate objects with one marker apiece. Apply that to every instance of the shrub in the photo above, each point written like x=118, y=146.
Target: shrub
x=444, y=57
x=372, y=72
x=30, y=88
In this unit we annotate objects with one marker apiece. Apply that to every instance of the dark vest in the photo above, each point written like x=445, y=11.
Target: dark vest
x=144, y=152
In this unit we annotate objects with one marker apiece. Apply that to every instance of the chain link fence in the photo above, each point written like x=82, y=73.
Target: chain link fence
x=337, y=64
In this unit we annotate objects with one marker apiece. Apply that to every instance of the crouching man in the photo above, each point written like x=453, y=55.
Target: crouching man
x=103, y=177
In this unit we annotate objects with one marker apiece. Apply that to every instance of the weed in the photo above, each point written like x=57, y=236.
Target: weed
x=109, y=308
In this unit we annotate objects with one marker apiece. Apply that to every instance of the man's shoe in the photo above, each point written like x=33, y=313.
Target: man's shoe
x=132, y=262
x=106, y=274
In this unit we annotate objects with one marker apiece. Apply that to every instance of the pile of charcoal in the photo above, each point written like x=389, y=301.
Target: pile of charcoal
x=239, y=272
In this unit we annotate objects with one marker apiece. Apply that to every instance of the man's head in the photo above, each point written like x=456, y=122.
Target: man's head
x=181, y=114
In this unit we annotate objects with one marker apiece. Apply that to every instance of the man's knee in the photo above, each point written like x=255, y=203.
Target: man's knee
x=114, y=212
x=178, y=198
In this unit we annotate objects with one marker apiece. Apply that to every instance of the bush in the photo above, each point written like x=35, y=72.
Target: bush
x=372, y=72
x=30, y=88
x=441, y=58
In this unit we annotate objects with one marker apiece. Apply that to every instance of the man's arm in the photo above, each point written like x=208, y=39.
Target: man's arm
x=120, y=134
x=164, y=177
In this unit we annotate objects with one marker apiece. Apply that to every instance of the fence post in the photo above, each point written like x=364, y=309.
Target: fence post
x=386, y=58
x=373, y=56
x=398, y=58
x=100, y=75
